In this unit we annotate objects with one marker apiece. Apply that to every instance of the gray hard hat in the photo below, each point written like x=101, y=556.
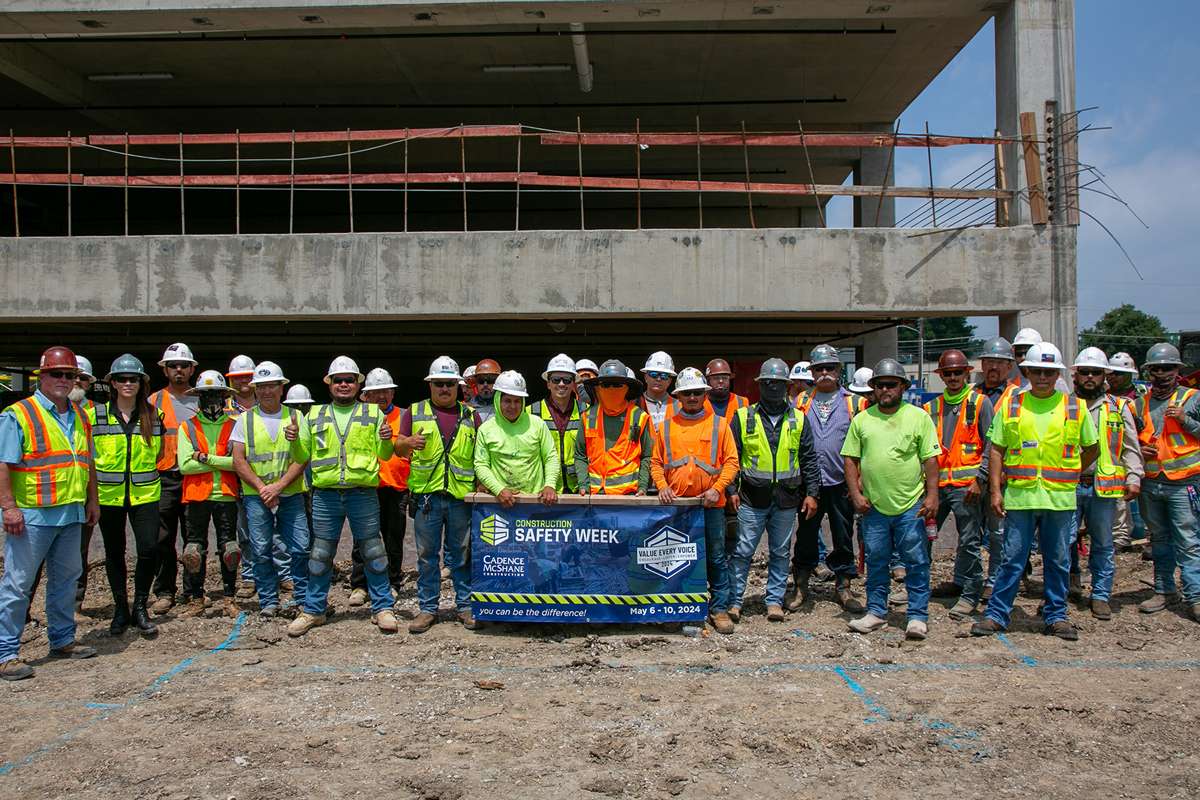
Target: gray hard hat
x=998, y=347
x=773, y=369
x=126, y=364
x=614, y=370
x=889, y=368
x=1163, y=353
x=824, y=354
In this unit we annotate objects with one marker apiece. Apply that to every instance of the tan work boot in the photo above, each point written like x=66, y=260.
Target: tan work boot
x=721, y=622
x=230, y=607
x=735, y=613
x=1101, y=609
x=916, y=629
x=467, y=619
x=774, y=613
x=422, y=622
x=961, y=610
x=304, y=622
x=194, y=607
x=358, y=597
x=866, y=624
x=15, y=670
x=245, y=590
x=386, y=621
x=1157, y=603
x=846, y=598
x=162, y=604
x=801, y=596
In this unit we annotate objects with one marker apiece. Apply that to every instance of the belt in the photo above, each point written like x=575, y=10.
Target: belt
x=1087, y=480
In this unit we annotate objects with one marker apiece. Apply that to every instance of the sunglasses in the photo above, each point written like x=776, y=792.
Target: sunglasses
x=488, y=381
x=953, y=373
x=125, y=379
x=1160, y=369
x=59, y=375
x=1042, y=372
x=824, y=368
x=888, y=384
x=443, y=384
x=562, y=381
x=177, y=365
x=691, y=393
x=658, y=376
x=1091, y=373
x=342, y=381
x=612, y=385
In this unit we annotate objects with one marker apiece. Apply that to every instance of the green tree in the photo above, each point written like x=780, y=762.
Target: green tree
x=941, y=333
x=1125, y=328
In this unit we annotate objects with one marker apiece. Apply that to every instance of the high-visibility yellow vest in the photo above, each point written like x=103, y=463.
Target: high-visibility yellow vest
x=125, y=463
x=345, y=459
x=435, y=469
x=52, y=471
x=1110, y=472
x=1052, y=460
x=269, y=458
x=761, y=466
x=565, y=439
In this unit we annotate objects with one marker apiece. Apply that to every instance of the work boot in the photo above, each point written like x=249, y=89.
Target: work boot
x=74, y=651
x=800, y=597
x=141, y=618
x=386, y=621
x=961, y=610
x=422, y=622
x=303, y=623
x=823, y=573
x=1196, y=611
x=1063, y=630
x=120, y=620
x=270, y=612
x=1101, y=609
x=192, y=558
x=245, y=590
x=899, y=574
x=986, y=627
x=987, y=594
x=735, y=613
x=358, y=597
x=286, y=586
x=774, y=613
x=15, y=670
x=946, y=589
x=846, y=598
x=916, y=629
x=162, y=604
x=467, y=619
x=721, y=622
x=230, y=607
x=1075, y=588
x=194, y=607
x=867, y=624
x=898, y=596
x=1157, y=603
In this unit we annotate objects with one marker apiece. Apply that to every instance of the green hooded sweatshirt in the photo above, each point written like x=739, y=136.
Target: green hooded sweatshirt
x=520, y=455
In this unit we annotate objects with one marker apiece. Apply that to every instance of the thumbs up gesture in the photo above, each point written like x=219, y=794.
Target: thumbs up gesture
x=385, y=431
x=292, y=431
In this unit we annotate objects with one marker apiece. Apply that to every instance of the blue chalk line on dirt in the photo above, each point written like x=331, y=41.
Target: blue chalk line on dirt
x=1027, y=660
x=108, y=709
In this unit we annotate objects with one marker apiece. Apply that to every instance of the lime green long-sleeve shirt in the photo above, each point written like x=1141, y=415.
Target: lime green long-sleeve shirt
x=214, y=465
x=520, y=455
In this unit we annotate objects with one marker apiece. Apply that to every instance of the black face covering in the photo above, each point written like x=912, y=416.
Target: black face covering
x=773, y=395
x=212, y=405
x=1089, y=395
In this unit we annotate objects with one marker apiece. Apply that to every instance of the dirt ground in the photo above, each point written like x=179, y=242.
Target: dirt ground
x=224, y=708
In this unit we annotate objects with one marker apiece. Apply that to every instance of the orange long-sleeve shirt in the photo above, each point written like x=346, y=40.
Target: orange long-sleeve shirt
x=693, y=437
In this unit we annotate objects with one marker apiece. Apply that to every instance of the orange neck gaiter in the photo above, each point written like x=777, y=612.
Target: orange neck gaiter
x=612, y=400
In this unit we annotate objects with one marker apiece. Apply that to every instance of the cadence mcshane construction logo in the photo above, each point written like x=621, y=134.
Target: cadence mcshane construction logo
x=493, y=529
x=666, y=552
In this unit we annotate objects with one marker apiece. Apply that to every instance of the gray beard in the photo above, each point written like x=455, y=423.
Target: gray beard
x=76, y=395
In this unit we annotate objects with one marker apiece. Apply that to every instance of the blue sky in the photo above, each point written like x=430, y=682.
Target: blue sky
x=1140, y=69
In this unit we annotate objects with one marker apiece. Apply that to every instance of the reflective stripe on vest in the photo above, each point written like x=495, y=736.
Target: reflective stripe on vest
x=365, y=415
x=434, y=468
x=269, y=462
x=199, y=487
x=711, y=466
x=958, y=464
x=125, y=459
x=735, y=404
x=756, y=447
x=1110, y=472
x=614, y=470
x=1178, y=452
x=854, y=404
x=1025, y=466
x=52, y=470
x=565, y=439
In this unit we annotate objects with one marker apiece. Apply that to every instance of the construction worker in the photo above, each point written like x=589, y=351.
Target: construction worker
x=1026, y=338
x=721, y=399
x=659, y=371
x=828, y=409
x=300, y=398
x=486, y=372
x=860, y=384
x=439, y=434
x=240, y=376
x=585, y=370
x=800, y=380
x=175, y=406
x=273, y=483
x=561, y=412
x=1168, y=420
x=1121, y=371
x=996, y=362
x=780, y=473
x=962, y=417
x=128, y=437
x=80, y=394
x=47, y=491
x=380, y=389
x=1116, y=474
x=613, y=454
x=696, y=457
x=210, y=489
x=346, y=440
x=1041, y=440
x=515, y=453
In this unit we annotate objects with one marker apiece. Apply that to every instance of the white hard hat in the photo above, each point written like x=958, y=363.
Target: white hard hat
x=800, y=372
x=560, y=363
x=177, y=352
x=240, y=365
x=209, y=381
x=343, y=365
x=1044, y=356
x=659, y=362
x=299, y=393
x=469, y=372
x=586, y=363
x=512, y=383
x=443, y=368
x=629, y=374
x=1027, y=336
x=1091, y=357
x=268, y=372
x=85, y=367
x=1122, y=362
x=862, y=380
x=379, y=378
x=689, y=380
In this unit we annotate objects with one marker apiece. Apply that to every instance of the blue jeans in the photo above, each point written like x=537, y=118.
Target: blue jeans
x=442, y=521
x=1098, y=511
x=905, y=534
x=714, y=552
x=283, y=563
x=331, y=508
x=777, y=522
x=58, y=546
x=1174, y=539
x=287, y=521
x=1057, y=531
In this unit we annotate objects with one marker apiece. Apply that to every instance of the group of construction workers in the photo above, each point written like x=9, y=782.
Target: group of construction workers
x=1019, y=456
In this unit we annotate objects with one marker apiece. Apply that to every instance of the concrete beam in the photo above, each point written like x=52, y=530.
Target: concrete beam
x=27, y=66
x=875, y=167
x=786, y=272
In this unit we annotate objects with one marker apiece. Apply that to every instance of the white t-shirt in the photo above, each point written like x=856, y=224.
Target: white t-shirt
x=271, y=421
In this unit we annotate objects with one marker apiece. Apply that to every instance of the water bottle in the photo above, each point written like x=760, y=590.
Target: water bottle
x=931, y=530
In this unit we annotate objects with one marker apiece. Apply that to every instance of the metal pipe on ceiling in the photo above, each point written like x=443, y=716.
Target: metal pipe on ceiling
x=583, y=64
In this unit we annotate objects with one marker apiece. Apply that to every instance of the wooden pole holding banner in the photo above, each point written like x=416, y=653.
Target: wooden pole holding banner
x=586, y=500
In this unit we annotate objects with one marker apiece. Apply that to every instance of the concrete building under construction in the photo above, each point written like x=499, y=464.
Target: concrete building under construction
x=395, y=180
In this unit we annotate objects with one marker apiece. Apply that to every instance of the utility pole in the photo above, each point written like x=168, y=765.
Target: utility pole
x=921, y=353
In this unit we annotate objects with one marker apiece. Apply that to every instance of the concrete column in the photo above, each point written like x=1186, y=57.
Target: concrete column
x=880, y=344
x=809, y=216
x=873, y=169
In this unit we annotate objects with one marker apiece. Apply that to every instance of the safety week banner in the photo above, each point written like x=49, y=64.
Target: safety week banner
x=588, y=563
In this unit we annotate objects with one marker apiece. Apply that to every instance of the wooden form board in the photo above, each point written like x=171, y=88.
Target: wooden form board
x=1038, y=210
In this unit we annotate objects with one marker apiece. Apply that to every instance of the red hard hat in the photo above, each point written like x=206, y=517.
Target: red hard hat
x=487, y=366
x=952, y=359
x=718, y=366
x=58, y=357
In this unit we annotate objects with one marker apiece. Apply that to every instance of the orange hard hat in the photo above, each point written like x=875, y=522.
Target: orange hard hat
x=58, y=357
x=952, y=359
x=718, y=366
x=487, y=366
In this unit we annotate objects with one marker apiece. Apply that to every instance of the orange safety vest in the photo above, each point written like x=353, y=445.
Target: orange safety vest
x=47, y=475
x=393, y=472
x=854, y=403
x=198, y=488
x=614, y=470
x=165, y=403
x=958, y=465
x=736, y=401
x=1178, y=454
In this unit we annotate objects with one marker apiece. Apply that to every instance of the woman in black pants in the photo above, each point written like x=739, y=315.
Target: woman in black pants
x=128, y=439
